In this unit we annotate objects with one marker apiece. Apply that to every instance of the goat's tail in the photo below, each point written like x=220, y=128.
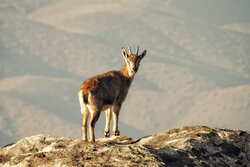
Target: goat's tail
x=83, y=97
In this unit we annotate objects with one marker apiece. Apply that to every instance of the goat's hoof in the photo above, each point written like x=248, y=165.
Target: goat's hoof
x=117, y=133
x=106, y=134
x=92, y=140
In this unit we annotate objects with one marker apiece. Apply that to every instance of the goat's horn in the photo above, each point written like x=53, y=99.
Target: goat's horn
x=129, y=50
x=136, y=53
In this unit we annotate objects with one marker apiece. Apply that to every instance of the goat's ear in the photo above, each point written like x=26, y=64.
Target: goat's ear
x=124, y=53
x=143, y=54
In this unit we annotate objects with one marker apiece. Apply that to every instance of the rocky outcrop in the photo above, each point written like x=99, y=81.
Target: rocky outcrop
x=186, y=146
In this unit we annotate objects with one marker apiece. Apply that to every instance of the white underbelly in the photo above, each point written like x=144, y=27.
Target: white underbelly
x=106, y=107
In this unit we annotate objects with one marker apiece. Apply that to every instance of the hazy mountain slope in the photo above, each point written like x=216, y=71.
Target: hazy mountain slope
x=48, y=48
x=29, y=105
x=223, y=105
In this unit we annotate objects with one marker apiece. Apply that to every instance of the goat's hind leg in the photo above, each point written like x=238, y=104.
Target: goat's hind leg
x=95, y=114
x=85, y=115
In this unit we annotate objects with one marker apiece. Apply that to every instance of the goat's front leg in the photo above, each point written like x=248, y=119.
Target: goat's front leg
x=116, y=111
x=108, y=119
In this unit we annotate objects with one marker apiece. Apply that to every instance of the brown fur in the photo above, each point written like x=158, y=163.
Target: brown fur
x=102, y=83
x=102, y=92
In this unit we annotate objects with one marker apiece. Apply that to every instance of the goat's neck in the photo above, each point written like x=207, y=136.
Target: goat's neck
x=124, y=72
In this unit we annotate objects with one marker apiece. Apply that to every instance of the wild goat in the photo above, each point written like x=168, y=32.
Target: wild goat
x=101, y=92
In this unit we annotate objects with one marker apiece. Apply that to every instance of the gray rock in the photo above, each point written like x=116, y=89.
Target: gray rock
x=186, y=146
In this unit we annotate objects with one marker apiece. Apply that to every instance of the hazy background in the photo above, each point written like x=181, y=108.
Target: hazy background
x=196, y=71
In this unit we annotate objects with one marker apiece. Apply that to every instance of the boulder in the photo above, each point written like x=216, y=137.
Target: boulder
x=185, y=146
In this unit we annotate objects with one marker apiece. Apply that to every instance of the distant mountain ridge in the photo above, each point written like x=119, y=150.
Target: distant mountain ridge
x=185, y=146
x=197, y=65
